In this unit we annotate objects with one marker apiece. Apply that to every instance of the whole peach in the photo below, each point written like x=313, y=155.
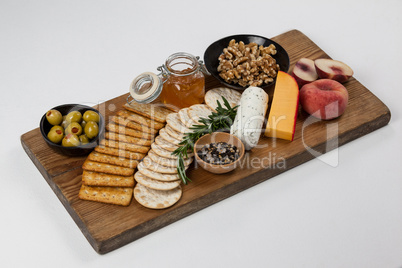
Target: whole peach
x=325, y=98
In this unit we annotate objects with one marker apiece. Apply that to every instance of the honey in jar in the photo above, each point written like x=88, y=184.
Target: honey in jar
x=180, y=84
x=185, y=84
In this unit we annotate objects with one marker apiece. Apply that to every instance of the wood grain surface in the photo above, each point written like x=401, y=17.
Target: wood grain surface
x=108, y=227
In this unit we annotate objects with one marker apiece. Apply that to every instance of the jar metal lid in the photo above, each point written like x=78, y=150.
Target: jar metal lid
x=146, y=87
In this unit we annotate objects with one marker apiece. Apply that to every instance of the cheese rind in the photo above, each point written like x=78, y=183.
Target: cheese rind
x=283, y=114
x=250, y=116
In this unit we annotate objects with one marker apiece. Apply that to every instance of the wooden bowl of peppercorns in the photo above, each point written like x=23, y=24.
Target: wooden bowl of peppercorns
x=219, y=152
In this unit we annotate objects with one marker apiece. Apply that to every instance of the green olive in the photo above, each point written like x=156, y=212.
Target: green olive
x=54, y=117
x=91, y=116
x=70, y=140
x=83, y=123
x=57, y=128
x=64, y=123
x=91, y=129
x=55, y=134
x=74, y=128
x=83, y=139
x=74, y=116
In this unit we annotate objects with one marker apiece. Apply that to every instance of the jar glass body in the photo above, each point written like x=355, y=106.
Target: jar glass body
x=185, y=82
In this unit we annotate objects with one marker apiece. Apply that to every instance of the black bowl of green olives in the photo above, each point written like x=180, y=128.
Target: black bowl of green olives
x=72, y=129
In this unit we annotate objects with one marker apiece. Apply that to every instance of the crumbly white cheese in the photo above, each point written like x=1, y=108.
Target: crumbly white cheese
x=250, y=116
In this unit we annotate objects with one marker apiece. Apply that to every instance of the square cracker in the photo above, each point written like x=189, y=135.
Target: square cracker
x=125, y=146
x=126, y=114
x=112, y=136
x=112, y=160
x=152, y=111
x=134, y=125
x=107, y=168
x=111, y=195
x=120, y=152
x=91, y=178
x=120, y=129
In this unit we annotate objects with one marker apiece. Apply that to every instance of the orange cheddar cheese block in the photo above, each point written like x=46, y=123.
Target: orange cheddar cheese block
x=283, y=114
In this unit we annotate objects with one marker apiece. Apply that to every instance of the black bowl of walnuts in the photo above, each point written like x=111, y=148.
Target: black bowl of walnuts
x=72, y=129
x=243, y=60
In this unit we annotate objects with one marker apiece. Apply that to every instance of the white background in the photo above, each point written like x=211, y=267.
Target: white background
x=315, y=215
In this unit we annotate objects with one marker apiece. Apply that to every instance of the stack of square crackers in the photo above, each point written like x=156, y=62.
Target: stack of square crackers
x=108, y=172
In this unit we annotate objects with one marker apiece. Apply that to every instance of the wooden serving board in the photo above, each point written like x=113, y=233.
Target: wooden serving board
x=108, y=227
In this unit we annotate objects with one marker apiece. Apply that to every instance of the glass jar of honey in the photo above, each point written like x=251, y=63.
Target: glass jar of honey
x=180, y=83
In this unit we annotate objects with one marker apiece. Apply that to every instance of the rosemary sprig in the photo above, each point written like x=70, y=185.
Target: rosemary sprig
x=220, y=121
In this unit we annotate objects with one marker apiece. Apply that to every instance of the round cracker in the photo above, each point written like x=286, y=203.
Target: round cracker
x=174, y=133
x=167, y=162
x=167, y=137
x=216, y=94
x=185, y=118
x=153, y=166
x=156, y=175
x=162, y=152
x=155, y=184
x=197, y=111
x=165, y=144
x=156, y=199
x=165, y=153
x=173, y=120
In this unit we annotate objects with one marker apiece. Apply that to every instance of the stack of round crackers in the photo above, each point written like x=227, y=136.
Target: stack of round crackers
x=158, y=182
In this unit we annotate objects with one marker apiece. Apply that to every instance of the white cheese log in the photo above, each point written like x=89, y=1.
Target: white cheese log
x=250, y=116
